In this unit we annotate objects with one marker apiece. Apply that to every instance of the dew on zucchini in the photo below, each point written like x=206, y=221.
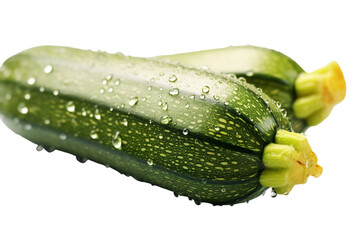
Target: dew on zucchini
x=117, y=141
x=81, y=159
x=172, y=78
x=133, y=101
x=97, y=115
x=174, y=91
x=94, y=134
x=70, y=106
x=31, y=81
x=22, y=108
x=39, y=148
x=205, y=89
x=63, y=136
x=48, y=68
x=27, y=96
x=108, y=77
x=165, y=119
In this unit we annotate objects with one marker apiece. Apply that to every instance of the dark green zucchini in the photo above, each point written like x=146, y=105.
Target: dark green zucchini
x=198, y=134
x=278, y=76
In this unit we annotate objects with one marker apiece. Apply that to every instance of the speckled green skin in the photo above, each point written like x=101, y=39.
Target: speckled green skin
x=272, y=71
x=112, y=109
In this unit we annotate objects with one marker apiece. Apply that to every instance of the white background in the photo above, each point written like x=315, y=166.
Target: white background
x=52, y=196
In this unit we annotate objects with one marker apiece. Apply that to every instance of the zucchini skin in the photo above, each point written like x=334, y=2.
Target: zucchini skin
x=200, y=135
x=270, y=70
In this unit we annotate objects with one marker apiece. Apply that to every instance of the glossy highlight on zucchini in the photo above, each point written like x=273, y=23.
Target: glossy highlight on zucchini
x=306, y=98
x=198, y=134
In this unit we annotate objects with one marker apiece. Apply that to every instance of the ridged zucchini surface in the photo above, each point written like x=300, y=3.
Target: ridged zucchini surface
x=195, y=133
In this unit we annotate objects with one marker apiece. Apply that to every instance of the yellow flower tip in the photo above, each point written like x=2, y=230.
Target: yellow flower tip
x=288, y=162
x=334, y=85
x=318, y=92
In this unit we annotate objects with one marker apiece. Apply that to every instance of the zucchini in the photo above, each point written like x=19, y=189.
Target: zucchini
x=307, y=98
x=195, y=133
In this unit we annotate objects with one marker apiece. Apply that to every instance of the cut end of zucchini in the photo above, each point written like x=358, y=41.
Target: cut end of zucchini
x=318, y=92
x=288, y=161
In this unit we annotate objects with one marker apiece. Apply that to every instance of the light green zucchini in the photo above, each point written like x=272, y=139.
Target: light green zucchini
x=195, y=133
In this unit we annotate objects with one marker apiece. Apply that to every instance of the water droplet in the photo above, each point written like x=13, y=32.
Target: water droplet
x=278, y=104
x=150, y=162
x=226, y=103
x=117, y=82
x=165, y=119
x=97, y=115
x=217, y=128
x=104, y=82
x=47, y=121
x=62, y=136
x=70, y=106
x=93, y=134
x=56, y=93
x=81, y=159
x=284, y=112
x=165, y=106
x=205, y=89
x=28, y=127
x=101, y=90
x=31, y=81
x=216, y=97
x=48, y=69
x=108, y=76
x=259, y=90
x=174, y=92
x=273, y=193
x=27, y=96
x=187, y=105
x=39, y=148
x=117, y=142
x=185, y=131
x=223, y=190
x=110, y=89
x=161, y=137
x=42, y=89
x=242, y=79
x=124, y=122
x=231, y=75
x=22, y=108
x=172, y=78
x=192, y=96
x=133, y=101
x=202, y=97
x=250, y=73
